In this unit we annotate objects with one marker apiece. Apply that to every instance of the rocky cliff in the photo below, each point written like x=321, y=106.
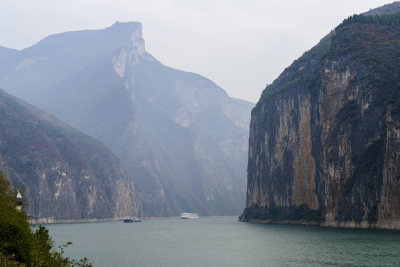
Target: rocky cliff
x=63, y=174
x=325, y=136
x=181, y=137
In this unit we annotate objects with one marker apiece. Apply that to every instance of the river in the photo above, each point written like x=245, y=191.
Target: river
x=225, y=242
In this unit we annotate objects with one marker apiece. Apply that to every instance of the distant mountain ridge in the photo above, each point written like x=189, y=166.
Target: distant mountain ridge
x=63, y=174
x=181, y=137
x=5, y=52
x=39, y=65
x=387, y=9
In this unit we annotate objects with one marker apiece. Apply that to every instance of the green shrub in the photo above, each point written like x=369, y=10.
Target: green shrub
x=19, y=245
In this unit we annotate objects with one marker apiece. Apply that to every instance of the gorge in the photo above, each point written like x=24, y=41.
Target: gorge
x=180, y=137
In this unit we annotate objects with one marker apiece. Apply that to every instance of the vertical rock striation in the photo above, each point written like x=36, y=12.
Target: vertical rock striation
x=325, y=135
x=63, y=174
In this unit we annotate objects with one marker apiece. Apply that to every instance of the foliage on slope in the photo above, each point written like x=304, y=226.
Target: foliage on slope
x=20, y=245
x=347, y=90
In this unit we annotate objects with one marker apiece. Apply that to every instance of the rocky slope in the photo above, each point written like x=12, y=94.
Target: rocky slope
x=325, y=136
x=181, y=136
x=63, y=173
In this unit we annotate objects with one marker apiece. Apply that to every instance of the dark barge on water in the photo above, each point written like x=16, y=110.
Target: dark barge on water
x=129, y=220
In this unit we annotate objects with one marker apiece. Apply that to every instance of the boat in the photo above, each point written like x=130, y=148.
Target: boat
x=129, y=220
x=186, y=215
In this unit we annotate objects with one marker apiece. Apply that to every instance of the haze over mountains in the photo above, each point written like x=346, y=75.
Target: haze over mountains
x=180, y=136
x=5, y=52
x=63, y=174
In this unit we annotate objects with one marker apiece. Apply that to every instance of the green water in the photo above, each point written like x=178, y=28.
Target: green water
x=225, y=242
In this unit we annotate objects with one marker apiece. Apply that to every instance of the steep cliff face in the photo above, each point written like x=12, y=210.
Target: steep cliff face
x=63, y=173
x=326, y=132
x=181, y=137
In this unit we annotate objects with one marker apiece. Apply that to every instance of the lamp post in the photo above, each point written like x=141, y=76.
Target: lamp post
x=19, y=200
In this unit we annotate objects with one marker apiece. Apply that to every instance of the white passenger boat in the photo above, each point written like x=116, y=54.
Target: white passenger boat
x=187, y=215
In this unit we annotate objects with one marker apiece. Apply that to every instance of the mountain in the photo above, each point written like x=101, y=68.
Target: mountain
x=387, y=9
x=37, y=68
x=5, y=52
x=181, y=137
x=325, y=136
x=63, y=174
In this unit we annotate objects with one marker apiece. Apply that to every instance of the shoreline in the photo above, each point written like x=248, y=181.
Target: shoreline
x=51, y=220
x=394, y=226
x=60, y=221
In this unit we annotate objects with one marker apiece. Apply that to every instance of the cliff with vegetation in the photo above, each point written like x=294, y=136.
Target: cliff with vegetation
x=62, y=173
x=325, y=136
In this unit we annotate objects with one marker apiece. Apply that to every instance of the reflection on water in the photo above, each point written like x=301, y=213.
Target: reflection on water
x=225, y=242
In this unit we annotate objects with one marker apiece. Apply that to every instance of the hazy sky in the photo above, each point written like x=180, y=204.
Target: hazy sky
x=240, y=45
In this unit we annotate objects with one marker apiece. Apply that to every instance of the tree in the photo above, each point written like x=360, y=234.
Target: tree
x=19, y=244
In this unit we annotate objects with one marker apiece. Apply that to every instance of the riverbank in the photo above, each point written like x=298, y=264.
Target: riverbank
x=51, y=220
x=334, y=224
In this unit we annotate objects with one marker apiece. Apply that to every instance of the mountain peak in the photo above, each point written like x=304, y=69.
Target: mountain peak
x=126, y=26
x=132, y=29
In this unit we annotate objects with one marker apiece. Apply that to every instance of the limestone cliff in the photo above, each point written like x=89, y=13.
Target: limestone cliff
x=63, y=174
x=325, y=136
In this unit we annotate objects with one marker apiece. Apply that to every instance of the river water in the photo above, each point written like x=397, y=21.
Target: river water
x=225, y=242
